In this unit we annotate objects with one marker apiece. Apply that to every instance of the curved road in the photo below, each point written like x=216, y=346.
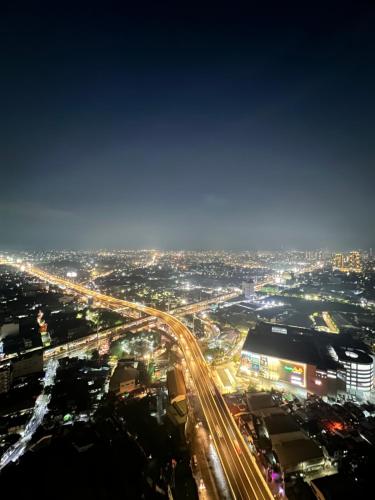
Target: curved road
x=244, y=477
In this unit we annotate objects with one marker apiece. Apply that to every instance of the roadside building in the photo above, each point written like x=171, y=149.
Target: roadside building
x=299, y=455
x=288, y=449
x=28, y=363
x=124, y=379
x=176, y=385
x=281, y=427
x=359, y=368
x=177, y=409
x=261, y=404
x=9, y=329
x=334, y=487
x=5, y=377
x=307, y=361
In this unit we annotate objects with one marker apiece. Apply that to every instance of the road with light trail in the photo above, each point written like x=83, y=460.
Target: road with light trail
x=40, y=409
x=242, y=471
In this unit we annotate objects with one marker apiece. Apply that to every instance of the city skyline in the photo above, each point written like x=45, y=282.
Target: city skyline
x=253, y=373
x=187, y=277
x=190, y=128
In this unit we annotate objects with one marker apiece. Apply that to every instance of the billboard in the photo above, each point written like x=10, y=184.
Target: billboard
x=271, y=368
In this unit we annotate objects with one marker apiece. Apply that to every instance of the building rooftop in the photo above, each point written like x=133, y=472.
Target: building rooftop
x=291, y=454
x=120, y=375
x=301, y=344
x=334, y=487
x=176, y=384
x=280, y=423
x=260, y=401
x=350, y=355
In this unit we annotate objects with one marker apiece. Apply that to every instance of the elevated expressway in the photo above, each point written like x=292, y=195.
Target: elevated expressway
x=242, y=472
x=116, y=332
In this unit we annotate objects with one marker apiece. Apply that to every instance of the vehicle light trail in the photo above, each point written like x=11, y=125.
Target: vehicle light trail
x=40, y=409
x=242, y=472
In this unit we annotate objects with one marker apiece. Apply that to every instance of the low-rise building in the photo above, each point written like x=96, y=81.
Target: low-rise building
x=333, y=487
x=177, y=409
x=28, y=363
x=299, y=455
x=9, y=329
x=124, y=379
x=281, y=427
x=5, y=377
x=176, y=385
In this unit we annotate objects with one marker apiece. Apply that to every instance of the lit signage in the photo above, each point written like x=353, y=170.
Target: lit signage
x=272, y=368
x=278, y=329
x=293, y=369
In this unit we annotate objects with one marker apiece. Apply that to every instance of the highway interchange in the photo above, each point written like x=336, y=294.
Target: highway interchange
x=244, y=477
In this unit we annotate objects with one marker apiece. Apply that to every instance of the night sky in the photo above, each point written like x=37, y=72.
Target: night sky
x=182, y=125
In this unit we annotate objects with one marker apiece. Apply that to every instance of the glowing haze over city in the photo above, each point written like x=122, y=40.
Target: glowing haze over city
x=187, y=276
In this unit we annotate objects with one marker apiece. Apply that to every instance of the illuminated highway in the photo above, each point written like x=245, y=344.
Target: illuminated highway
x=244, y=477
x=114, y=333
x=39, y=411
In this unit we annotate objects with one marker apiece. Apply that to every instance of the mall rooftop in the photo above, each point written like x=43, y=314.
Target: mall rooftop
x=304, y=345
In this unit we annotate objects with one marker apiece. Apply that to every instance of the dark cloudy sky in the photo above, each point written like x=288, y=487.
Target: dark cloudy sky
x=193, y=126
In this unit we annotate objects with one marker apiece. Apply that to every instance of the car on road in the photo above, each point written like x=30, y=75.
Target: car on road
x=202, y=486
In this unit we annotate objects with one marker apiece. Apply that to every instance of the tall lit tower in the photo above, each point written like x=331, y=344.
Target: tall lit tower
x=338, y=261
x=355, y=263
x=43, y=329
x=248, y=289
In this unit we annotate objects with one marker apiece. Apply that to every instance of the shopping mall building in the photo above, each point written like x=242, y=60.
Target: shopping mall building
x=314, y=362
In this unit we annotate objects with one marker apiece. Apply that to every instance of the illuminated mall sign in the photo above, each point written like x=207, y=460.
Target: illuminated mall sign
x=293, y=369
x=271, y=368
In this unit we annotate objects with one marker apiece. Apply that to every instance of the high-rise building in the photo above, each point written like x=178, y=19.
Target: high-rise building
x=338, y=261
x=351, y=262
x=248, y=289
x=43, y=330
x=355, y=263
